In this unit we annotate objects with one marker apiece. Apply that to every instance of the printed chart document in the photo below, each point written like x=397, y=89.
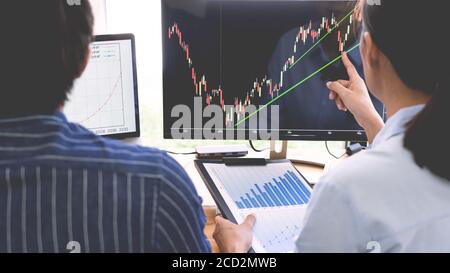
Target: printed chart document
x=276, y=193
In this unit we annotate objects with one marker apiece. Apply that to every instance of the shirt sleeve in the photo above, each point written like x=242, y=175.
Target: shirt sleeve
x=331, y=223
x=180, y=216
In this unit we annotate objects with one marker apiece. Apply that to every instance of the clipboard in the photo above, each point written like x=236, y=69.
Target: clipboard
x=224, y=203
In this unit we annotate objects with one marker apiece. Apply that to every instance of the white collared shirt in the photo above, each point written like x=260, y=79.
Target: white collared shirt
x=379, y=200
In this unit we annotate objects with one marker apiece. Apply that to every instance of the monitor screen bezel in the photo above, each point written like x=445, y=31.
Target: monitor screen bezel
x=294, y=135
x=130, y=37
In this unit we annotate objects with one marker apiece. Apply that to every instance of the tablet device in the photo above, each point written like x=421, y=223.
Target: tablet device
x=276, y=193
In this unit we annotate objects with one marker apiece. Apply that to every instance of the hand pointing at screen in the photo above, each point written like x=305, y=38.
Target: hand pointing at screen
x=353, y=96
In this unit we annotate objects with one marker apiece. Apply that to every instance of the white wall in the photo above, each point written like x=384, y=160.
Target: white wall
x=143, y=19
x=99, y=9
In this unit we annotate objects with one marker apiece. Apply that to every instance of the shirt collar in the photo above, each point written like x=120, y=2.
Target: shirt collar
x=396, y=125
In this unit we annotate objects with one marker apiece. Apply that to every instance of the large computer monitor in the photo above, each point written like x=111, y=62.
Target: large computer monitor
x=235, y=53
x=105, y=98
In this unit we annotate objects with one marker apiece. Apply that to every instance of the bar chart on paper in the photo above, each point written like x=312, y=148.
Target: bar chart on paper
x=280, y=191
x=275, y=193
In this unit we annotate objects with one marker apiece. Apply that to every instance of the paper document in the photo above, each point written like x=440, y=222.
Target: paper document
x=275, y=193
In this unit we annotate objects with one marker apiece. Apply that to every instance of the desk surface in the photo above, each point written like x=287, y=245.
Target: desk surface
x=312, y=173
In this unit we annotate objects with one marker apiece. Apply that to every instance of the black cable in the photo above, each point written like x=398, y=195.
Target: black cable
x=328, y=149
x=257, y=150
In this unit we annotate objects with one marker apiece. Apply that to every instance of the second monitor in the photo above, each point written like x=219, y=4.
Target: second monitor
x=105, y=98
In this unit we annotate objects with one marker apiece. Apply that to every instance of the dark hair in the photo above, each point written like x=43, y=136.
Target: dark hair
x=42, y=50
x=412, y=35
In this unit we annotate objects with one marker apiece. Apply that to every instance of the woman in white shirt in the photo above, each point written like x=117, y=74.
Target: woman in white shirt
x=395, y=197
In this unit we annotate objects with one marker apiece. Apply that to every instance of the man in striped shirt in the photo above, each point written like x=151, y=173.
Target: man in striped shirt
x=62, y=188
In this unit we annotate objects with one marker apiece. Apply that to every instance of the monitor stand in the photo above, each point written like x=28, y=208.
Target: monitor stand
x=279, y=154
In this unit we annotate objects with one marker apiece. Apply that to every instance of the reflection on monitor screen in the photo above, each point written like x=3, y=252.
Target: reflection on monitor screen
x=234, y=54
x=104, y=98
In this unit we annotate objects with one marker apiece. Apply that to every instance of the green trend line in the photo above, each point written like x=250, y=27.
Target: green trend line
x=321, y=39
x=295, y=86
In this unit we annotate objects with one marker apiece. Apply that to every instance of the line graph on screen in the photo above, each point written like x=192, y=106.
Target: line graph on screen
x=97, y=101
x=307, y=38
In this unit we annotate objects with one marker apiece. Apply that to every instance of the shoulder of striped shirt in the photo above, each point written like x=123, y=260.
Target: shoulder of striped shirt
x=89, y=145
x=122, y=154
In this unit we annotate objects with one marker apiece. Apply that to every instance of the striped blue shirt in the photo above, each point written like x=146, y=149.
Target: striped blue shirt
x=64, y=189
